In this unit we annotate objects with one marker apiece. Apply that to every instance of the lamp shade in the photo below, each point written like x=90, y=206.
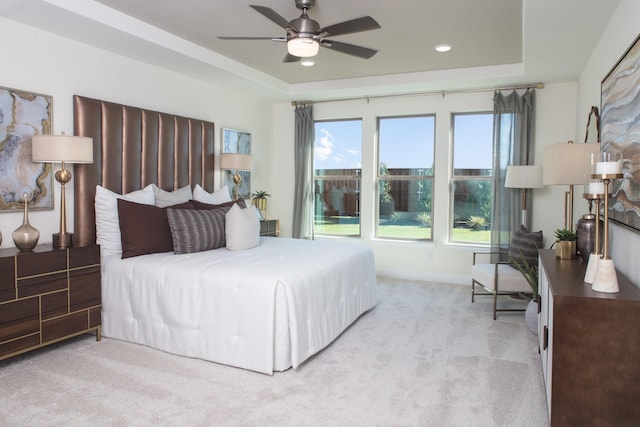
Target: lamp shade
x=567, y=163
x=236, y=161
x=303, y=47
x=61, y=148
x=525, y=176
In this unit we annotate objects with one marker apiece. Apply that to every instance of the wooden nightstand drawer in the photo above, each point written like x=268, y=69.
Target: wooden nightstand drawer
x=48, y=295
x=270, y=227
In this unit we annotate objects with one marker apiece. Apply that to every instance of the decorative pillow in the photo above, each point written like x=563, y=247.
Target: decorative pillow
x=524, y=246
x=107, y=222
x=196, y=230
x=215, y=198
x=242, y=229
x=144, y=229
x=200, y=205
x=168, y=198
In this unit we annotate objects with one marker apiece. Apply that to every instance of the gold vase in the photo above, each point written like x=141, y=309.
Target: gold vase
x=566, y=249
x=261, y=205
x=26, y=236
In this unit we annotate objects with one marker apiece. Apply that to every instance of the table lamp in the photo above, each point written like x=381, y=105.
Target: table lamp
x=62, y=149
x=523, y=177
x=236, y=162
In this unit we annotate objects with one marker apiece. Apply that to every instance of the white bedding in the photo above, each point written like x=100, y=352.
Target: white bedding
x=264, y=309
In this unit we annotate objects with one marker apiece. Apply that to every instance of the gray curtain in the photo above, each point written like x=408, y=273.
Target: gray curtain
x=513, y=144
x=303, y=194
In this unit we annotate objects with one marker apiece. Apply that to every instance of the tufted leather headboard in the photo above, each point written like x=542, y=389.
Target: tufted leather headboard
x=132, y=148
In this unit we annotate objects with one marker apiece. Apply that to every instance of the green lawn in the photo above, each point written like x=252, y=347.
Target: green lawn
x=463, y=235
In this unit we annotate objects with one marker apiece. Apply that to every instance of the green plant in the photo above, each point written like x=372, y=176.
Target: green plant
x=260, y=194
x=424, y=218
x=530, y=272
x=477, y=222
x=565, y=235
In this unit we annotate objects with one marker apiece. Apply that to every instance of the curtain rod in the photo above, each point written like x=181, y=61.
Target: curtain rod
x=433, y=92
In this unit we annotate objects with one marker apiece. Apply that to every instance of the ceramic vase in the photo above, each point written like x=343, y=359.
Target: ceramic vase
x=531, y=316
x=586, y=230
x=26, y=236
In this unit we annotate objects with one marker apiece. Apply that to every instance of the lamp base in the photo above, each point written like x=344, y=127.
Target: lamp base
x=592, y=265
x=62, y=240
x=605, y=279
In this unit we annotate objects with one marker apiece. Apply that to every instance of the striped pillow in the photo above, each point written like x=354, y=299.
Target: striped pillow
x=197, y=230
x=524, y=246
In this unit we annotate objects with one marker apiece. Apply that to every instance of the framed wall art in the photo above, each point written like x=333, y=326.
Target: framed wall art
x=22, y=115
x=234, y=141
x=620, y=131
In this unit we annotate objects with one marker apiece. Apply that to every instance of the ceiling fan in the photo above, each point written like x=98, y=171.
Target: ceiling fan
x=305, y=36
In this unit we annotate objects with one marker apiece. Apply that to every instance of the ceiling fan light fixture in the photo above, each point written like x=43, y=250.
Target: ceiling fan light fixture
x=303, y=47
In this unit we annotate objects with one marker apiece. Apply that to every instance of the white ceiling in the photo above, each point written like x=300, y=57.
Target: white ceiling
x=495, y=42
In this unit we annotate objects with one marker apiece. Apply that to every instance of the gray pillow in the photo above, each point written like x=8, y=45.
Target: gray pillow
x=196, y=230
x=524, y=246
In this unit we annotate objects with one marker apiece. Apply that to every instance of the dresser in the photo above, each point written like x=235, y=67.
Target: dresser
x=47, y=295
x=589, y=345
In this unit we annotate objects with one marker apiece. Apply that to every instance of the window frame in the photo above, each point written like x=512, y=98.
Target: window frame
x=414, y=178
x=357, y=178
x=453, y=178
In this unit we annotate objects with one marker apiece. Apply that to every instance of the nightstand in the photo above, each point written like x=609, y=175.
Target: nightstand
x=48, y=295
x=270, y=227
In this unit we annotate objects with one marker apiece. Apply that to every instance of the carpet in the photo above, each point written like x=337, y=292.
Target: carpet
x=424, y=356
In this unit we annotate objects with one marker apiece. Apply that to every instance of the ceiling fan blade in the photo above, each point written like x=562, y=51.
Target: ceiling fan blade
x=349, y=49
x=275, y=39
x=272, y=15
x=291, y=58
x=357, y=25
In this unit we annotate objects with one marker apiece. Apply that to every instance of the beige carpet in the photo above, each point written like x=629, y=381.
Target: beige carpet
x=425, y=356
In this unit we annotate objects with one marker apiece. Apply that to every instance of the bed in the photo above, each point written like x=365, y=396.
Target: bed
x=266, y=309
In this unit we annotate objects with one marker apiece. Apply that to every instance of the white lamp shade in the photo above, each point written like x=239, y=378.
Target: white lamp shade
x=567, y=163
x=524, y=176
x=303, y=47
x=236, y=161
x=61, y=148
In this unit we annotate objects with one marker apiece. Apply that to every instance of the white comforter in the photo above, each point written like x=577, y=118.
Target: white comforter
x=263, y=309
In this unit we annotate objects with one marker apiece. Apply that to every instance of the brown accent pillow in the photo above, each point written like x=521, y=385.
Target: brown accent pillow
x=144, y=229
x=201, y=205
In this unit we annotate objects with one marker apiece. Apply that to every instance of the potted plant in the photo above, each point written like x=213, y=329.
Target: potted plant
x=530, y=273
x=259, y=199
x=565, y=243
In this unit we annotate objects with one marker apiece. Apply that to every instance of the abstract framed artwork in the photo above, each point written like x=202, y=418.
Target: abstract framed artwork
x=620, y=131
x=234, y=141
x=22, y=115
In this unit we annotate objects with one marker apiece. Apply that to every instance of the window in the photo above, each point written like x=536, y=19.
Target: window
x=405, y=176
x=472, y=185
x=337, y=160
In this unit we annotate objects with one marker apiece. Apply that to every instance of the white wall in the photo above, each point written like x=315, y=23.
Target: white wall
x=36, y=61
x=616, y=39
x=437, y=260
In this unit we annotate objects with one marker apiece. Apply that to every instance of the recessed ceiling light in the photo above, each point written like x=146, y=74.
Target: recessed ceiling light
x=307, y=63
x=442, y=47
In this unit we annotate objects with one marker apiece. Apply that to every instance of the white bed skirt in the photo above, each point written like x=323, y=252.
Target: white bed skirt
x=264, y=309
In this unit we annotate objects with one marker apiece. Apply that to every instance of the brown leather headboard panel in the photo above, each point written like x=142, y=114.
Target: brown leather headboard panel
x=132, y=148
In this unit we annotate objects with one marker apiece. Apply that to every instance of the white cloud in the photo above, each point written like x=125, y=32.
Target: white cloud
x=324, y=147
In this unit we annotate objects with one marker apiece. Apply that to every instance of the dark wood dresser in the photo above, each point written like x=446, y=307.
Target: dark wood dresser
x=47, y=295
x=590, y=347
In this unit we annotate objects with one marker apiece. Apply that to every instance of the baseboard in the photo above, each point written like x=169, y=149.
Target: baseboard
x=455, y=279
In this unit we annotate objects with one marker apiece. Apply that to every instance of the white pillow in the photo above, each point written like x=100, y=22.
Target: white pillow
x=168, y=198
x=107, y=222
x=242, y=228
x=215, y=198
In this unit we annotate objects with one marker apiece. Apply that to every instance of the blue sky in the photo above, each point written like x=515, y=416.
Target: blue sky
x=338, y=143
